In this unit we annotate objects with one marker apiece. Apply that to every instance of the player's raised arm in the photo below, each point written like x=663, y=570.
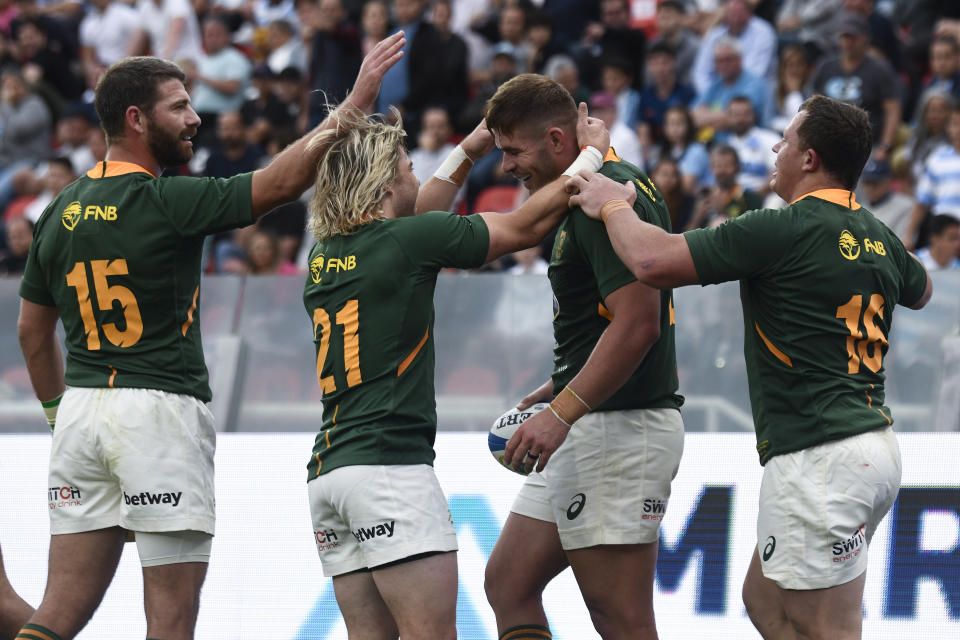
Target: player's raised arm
x=293, y=170
x=529, y=224
x=658, y=258
x=441, y=189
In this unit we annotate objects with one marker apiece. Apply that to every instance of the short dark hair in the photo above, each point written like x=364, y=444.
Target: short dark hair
x=727, y=150
x=942, y=222
x=840, y=133
x=64, y=162
x=661, y=48
x=530, y=101
x=131, y=82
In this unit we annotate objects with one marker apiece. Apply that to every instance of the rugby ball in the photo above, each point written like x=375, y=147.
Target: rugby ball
x=505, y=426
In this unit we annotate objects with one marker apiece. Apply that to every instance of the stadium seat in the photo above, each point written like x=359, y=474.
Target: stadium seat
x=501, y=198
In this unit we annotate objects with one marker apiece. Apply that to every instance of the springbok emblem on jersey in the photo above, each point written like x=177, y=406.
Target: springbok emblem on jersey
x=849, y=246
x=316, y=269
x=71, y=215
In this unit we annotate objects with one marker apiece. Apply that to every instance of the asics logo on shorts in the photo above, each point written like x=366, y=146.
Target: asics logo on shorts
x=654, y=508
x=64, y=497
x=384, y=529
x=145, y=498
x=579, y=501
x=769, y=548
x=851, y=547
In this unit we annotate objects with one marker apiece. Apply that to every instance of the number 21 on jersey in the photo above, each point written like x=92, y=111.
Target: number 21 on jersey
x=348, y=317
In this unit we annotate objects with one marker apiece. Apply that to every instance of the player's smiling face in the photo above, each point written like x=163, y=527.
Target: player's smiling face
x=171, y=124
x=528, y=158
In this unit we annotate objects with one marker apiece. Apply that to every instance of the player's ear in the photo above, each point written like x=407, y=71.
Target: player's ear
x=811, y=160
x=556, y=139
x=135, y=118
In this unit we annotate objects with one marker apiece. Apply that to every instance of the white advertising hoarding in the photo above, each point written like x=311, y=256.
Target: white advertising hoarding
x=265, y=580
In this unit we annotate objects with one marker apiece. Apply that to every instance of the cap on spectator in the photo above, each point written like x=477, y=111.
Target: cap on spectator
x=676, y=5
x=504, y=49
x=603, y=100
x=83, y=110
x=852, y=24
x=262, y=70
x=293, y=74
x=877, y=170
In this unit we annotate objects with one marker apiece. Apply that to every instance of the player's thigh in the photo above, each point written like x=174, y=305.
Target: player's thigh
x=421, y=594
x=609, y=483
x=366, y=516
x=160, y=447
x=834, y=613
x=820, y=506
x=365, y=614
x=616, y=578
x=526, y=557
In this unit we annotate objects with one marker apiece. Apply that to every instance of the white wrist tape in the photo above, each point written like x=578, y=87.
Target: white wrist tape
x=590, y=159
x=455, y=168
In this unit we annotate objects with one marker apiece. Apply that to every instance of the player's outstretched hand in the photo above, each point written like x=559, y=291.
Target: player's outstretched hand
x=374, y=66
x=478, y=142
x=543, y=393
x=593, y=190
x=535, y=441
x=591, y=131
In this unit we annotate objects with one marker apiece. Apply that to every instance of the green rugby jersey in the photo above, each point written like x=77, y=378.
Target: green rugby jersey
x=818, y=281
x=584, y=270
x=369, y=296
x=118, y=254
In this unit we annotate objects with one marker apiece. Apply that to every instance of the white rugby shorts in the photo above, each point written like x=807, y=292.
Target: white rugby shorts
x=609, y=482
x=138, y=458
x=365, y=516
x=819, y=509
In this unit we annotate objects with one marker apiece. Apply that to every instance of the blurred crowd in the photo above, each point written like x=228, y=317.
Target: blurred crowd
x=694, y=92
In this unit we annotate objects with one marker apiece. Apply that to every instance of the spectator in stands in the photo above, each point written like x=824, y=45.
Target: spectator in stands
x=679, y=144
x=110, y=31
x=753, y=144
x=930, y=132
x=285, y=49
x=710, y=107
x=944, y=66
x=863, y=80
x=666, y=177
x=172, y=28
x=290, y=90
x=943, y=251
x=882, y=34
x=617, y=80
x=793, y=76
x=623, y=139
x=938, y=190
x=672, y=32
x=266, y=12
x=60, y=172
x=26, y=125
x=662, y=91
x=757, y=43
x=19, y=235
x=231, y=153
x=61, y=33
x=375, y=23
x=45, y=66
x=433, y=145
x=890, y=207
x=807, y=23
x=450, y=66
x=543, y=44
x=336, y=49
x=263, y=255
x=563, y=69
x=503, y=66
x=727, y=198
x=613, y=37
x=219, y=80
x=512, y=28
x=529, y=261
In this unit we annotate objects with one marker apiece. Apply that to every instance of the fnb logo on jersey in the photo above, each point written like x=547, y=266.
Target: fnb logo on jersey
x=384, y=529
x=849, y=247
x=97, y=212
x=851, y=547
x=71, y=215
x=64, y=497
x=316, y=269
x=145, y=498
x=654, y=508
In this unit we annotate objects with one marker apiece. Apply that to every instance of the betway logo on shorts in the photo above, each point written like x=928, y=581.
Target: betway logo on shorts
x=384, y=529
x=326, y=539
x=654, y=508
x=64, y=497
x=145, y=498
x=851, y=547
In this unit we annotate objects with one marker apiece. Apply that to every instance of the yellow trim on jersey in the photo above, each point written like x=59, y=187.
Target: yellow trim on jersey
x=413, y=354
x=604, y=312
x=193, y=307
x=673, y=313
x=870, y=405
x=611, y=156
x=781, y=356
x=114, y=168
x=112, y=377
x=841, y=197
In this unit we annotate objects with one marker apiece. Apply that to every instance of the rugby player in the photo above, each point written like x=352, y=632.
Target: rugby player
x=819, y=280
